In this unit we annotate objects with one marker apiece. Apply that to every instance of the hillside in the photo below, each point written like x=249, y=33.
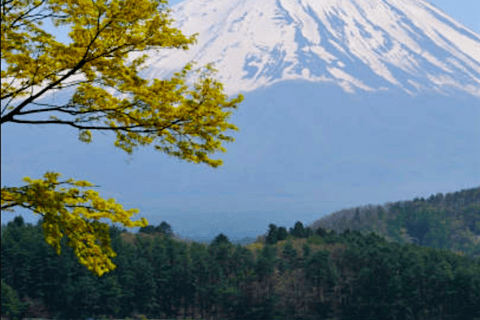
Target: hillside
x=450, y=221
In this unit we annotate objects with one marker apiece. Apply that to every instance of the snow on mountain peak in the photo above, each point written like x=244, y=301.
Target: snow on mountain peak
x=365, y=45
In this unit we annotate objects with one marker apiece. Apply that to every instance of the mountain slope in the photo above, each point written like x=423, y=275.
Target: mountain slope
x=367, y=45
x=450, y=221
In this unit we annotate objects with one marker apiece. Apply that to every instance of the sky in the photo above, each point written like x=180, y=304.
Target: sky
x=466, y=12
x=34, y=158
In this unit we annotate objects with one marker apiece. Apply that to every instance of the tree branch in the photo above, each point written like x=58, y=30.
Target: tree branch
x=124, y=128
x=25, y=15
x=4, y=207
x=9, y=116
x=80, y=64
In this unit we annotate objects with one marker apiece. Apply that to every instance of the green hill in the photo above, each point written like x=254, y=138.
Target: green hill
x=450, y=221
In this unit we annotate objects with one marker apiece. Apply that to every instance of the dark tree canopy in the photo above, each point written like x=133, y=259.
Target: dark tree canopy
x=357, y=276
x=282, y=233
x=272, y=237
x=221, y=238
x=298, y=230
x=163, y=228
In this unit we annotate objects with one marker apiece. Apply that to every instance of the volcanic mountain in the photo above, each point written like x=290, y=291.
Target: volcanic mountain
x=367, y=45
x=347, y=102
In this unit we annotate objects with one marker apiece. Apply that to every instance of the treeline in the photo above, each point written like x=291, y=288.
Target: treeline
x=450, y=221
x=163, y=228
x=309, y=274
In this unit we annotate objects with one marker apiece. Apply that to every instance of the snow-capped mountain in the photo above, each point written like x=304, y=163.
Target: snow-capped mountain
x=305, y=148
x=367, y=45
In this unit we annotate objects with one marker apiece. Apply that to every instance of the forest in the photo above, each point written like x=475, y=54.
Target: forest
x=299, y=273
x=450, y=221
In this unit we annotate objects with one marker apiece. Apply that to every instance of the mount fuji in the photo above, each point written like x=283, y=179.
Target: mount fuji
x=367, y=45
x=347, y=103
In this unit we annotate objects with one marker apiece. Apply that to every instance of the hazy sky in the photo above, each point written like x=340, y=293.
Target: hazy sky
x=31, y=161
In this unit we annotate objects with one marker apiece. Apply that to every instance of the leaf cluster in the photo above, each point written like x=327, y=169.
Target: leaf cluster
x=74, y=214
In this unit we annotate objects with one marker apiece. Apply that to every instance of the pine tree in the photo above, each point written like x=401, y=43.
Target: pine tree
x=298, y=230
x=272, y=237
x=11, y=305
x=282, y=233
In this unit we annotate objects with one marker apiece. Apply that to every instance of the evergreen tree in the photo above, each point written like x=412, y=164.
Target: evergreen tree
x=147, y=230
x=170, y=297
x=272, y=236
x=290, y=255
x=381, y=213
x=215, y=286
x=356, y=219
x=298, y=230
x=126, y=277
x=282, y=233
x=11, y=305
x=331, y=237
x=308, y=232
x=306, y=251
x=183, y=278
x=110, y=293
x=200, y=276
x=321, y=232
x=320, y=277
x=266, y=262
x=145, y=288
x=221, y=238
x=242, y=265
x=165, y=229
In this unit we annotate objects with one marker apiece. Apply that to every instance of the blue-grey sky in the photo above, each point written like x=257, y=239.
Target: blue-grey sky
x=31, y=151
x=466, y=12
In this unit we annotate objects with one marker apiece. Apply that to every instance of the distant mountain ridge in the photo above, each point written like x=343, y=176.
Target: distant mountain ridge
x=366, y=45
x=443, y=221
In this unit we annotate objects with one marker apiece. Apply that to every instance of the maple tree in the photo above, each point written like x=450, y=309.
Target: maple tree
x=110, y=41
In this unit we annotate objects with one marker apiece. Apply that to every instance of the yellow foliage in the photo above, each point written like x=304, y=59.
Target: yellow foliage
x=188, y=123
x=255, y=248
x=67, y=212
x=102, y=64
